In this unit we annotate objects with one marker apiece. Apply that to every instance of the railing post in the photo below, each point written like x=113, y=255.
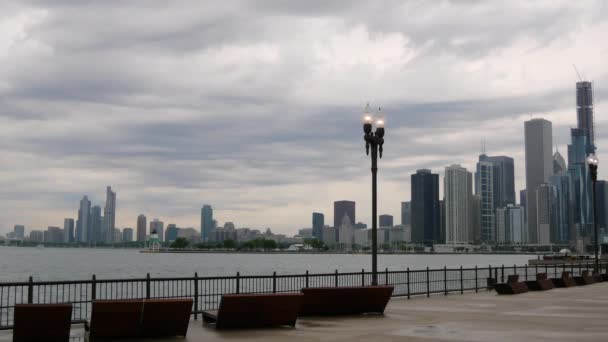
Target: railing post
x=445, y=280
x=546, y=268
x=306, y=278
x=362, y=277
x=196, y=295
x=536, y=269
x=555, y=270
x=336, y=278
x=502, y=274
x=93, y=288
x=30, y=291
x=461, y=281
x=572, y=269
x=238, y=282
x=476, y=281
x=386, y=276
x=490, y=271
x=274, y=282
x=407, y=272
x=148, y=286
x=428, y=283
x=526, y=270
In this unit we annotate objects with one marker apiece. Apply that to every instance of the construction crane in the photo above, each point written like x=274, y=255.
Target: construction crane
x=578, y=73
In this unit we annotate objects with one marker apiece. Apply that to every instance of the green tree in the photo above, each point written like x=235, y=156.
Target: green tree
x=229, y=244
x=180, y=243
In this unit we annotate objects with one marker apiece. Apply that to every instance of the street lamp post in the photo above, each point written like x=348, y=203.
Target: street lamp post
x=592, y=161
x=375, y=140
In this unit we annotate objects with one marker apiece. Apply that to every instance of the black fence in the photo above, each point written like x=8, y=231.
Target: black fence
x=207, y=291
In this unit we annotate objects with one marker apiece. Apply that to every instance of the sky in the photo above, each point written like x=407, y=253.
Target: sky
x=255, y=107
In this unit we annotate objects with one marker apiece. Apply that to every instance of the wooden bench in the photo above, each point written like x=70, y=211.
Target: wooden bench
x=564, y=281
x=255, y=311
x=584, y=279
x=42, y=322
x=166, y=317
x=542, y=283
x=345, y=300
x=512, y=286
x=116, y=318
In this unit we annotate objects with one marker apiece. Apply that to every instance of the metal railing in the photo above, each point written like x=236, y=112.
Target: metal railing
x=207, y=291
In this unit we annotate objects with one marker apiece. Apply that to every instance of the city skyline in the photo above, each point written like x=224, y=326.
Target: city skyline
x=169, y=139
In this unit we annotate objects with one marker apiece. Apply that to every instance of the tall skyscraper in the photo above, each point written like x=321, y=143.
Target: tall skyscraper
x=141, y=228
x=68, y=230
x=84, y=227
x=484, y=188
x=584, y=112
x=425, y=207
x=539, y=166
x=581, y=183
x=406, y=213
x=207, y=225
x=559, y=164
x=318, y=221
x=510, y=224
x=109, y=215
x=342, y=208
x=564, y=230
x=96, y=222
x=171, y=233
x=523, y=202
x=385, y=220
x=458, y=199
x=504, y=180
x=157, y=226
x=602, y=204
x=546, y=202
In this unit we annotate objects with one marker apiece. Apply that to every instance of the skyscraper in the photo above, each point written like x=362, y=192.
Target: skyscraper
x=109, y=215
x=458, y=199
x=484, y=188
x=141, y=228
x=19, y=231
x=584, y=112
x=425, y=207
x=96, y=222
x=68, y=230
x=504, y=180
x=171, y=233
x=342, y=208
x=127, y=235
x=406, y=213
x=157, y=226
x=546, y=202
x=602, y=203
x=318, y=221
x=207, y=225
x=581, y=183
x=564, y=230
x=539, y=166
x=385, y=220
x=84, y=227
x=559, y=164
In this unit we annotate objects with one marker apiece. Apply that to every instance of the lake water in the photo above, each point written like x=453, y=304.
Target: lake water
x=18, y=263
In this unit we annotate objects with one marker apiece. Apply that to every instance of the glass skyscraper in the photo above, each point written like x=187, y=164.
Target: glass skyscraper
x=425, y=207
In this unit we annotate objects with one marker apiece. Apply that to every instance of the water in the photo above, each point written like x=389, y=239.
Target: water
x=18, y=263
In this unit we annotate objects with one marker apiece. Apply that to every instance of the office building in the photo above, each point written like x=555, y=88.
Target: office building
x=475, y=219
x=318, y=221
x=386, y=220
x=96, y=222
x=501, y=230
x=523, y=203
x=127, y=235
x=406, y=213
x=546, y=203
x=37, y=236
x=425, y=207
x=329, y=236
x=141, y=228
x=584, y=112
x=347, y=234
x=484, y=188
x=68, y=230
x=157, y=226
x=342, y=208
x=563, y=231
x=172, y=232
x=539, y=166
x=581, y=183
x=510, y=225
x=83, y=228
x=53, y=235
x=207, y=225
x=602, y=203
x=559, y=164
x=19, y=231
x=109, y=216
x=458, y=197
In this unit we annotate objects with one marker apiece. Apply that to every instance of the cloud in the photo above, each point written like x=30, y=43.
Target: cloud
x=254, y=107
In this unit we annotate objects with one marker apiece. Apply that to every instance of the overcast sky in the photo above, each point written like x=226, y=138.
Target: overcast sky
x=255, y=107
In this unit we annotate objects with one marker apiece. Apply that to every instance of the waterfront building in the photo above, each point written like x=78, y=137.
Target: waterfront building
x=109, y=216
x=523, y=202
x=306, y=233
x=53, y=235
x=385, y=220
x=207, y=223
x=584, y=112
x=501, y=225
x=127, y=235
x=563, y=231
x=37, y=236
x=425, y=207
x=475, y=219
x=171, y=233
x=539, y=166
x=441, y=221
x=329, y=236
x=68, y=230
x=189, y=234
x=458, y=197
x=406, y=213
x=157, y=226
x=581, y=183
x=96, y=222
x=602, y=203
x=514, y=224
x=346, y=233
x=360, y=225
x=83, y=228
x=318, y=221
x=484, y=188
x=342, y=208
x=19, y=231
x=363, y=237
x=116, y=235
x=546, y=204
x=228, y=232
x=141, y=228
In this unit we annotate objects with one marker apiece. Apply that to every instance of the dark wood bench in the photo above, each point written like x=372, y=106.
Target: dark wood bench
x=42, y=322
x=345, y=300
x=166, y=317
x=542, y=283
x=584, y=279
x=564, y=281
x=512, y=286
x=116, y=318
x=255, y=310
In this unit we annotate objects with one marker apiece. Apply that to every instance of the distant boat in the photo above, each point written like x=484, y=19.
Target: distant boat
x=40, y=246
